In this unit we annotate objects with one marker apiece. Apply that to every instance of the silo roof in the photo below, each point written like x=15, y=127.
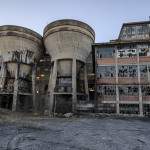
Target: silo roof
x=12, y=29
x=69, y=22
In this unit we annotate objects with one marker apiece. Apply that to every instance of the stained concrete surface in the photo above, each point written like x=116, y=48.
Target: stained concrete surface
x=75, y=134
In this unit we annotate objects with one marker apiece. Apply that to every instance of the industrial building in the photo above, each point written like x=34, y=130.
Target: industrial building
x=65, y=71
x=122, y=70
x=69, y=44
x=20, y=50
x=45, y=74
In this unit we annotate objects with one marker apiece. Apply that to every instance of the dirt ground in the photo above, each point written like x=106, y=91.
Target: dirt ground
x=75, y=134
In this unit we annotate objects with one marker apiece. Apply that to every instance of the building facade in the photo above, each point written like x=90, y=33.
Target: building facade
x=122, y=69
x=50, y=74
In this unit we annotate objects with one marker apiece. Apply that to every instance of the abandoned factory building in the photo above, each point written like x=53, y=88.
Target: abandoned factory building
x=65, y=71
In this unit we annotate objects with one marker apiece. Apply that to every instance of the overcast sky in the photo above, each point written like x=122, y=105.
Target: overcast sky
x=104, y=16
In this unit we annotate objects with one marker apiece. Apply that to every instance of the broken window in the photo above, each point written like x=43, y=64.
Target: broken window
x=128, y=90
x=143, y=50
x=134, y=32
x=128, y=32
x=126, y=51
x=143, y=71
x=106, y=90
x=146, y=109
x=142, y=29
x=127, y=71
x=145, y=90
x=107, y=108
x=105, y=71
x=105, y=52
x=129, y=108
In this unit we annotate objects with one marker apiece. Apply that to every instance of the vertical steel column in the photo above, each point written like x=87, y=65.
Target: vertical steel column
x=74, y=85
x=16, y=85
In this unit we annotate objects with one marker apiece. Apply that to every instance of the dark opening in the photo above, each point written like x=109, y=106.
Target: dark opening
x=146, y=109
x=129, y=108
x=25, y=103
x=63, y=104
x=6, y=101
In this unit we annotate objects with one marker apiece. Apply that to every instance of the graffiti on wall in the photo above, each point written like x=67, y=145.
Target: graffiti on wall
x=9, y=86
x=25, y=56
x=24, y=86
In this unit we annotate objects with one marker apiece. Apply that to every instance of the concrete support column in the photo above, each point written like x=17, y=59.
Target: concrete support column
x=74, y=85
x=86, y=83
x=53, y=78
x=50, y=80
x=140, y=91
x=2, y=75
x=140, y=101
x=117, y=101
x=148, y=73
x=34, y=87
x=95, y=80
x=16, y=85
x=47, y=99
x=117, y=89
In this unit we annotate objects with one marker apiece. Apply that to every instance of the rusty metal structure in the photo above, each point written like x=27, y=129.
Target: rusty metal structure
x=20, y=50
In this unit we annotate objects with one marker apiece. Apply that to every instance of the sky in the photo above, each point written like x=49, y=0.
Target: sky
x=104, y=16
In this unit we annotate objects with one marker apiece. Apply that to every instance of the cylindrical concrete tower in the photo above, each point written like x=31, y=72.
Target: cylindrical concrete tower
x=20, y=49
x=69, y=44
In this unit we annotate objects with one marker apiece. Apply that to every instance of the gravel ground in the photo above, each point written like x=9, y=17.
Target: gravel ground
x=75, y=134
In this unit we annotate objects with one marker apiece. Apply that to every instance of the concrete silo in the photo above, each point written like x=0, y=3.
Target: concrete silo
x=20, y=49
x=69, y=44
